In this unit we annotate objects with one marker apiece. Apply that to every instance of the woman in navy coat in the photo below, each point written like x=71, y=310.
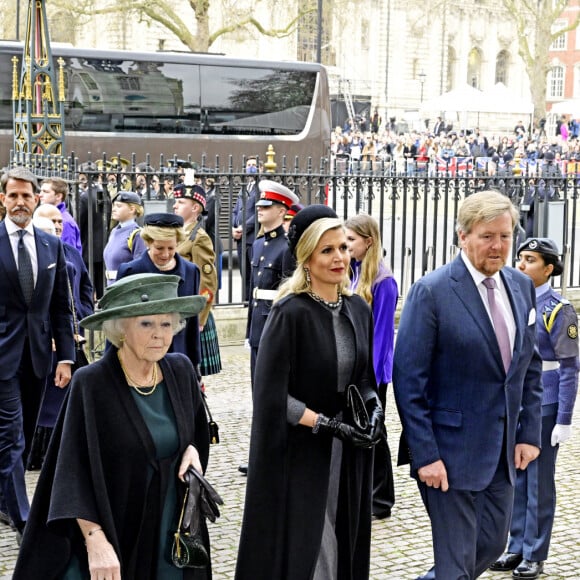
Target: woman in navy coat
x=162, y=233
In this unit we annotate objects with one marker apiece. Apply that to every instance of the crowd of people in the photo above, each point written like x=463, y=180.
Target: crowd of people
x=441, y=149
x=484, y=372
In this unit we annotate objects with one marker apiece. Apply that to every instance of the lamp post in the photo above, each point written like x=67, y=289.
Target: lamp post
x=422, y=77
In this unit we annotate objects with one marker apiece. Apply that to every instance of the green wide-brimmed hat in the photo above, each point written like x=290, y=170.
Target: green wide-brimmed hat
x=141, y=295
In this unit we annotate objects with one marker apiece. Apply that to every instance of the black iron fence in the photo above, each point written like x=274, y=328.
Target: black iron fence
x=416, y=211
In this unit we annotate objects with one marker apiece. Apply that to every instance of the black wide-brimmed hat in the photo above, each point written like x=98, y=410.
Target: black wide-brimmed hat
x=305, y=218
x=142, y=295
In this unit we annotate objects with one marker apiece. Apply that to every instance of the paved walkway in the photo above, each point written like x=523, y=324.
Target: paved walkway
x=401, y=545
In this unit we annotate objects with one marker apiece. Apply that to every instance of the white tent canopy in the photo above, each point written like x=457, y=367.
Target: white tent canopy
x=568, y=107
x=466, y=99
x=500, y=99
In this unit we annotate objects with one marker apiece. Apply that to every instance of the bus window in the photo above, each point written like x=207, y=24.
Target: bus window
x=251, y=101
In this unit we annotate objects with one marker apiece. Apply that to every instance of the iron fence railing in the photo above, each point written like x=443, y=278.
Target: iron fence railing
x=416, y=210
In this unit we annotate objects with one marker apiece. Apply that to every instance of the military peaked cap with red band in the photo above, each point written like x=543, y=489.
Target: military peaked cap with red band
x=274, y=192
x=292, y=211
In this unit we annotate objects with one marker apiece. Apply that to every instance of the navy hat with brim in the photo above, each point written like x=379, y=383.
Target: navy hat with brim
x=304, y=219
x=128, y=197
x=143, y=295
x=163, y=220
x=546, y=247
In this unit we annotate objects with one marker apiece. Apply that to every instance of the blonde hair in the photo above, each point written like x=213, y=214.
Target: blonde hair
x=484, y=206
x=307, y=244
x=159, y=233
x=115, y=328
x=139, y=210
x=367, y=227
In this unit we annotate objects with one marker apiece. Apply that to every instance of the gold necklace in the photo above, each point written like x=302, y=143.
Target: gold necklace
x=135, y=385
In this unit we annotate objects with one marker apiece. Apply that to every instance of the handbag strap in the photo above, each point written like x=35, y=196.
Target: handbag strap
x=205, y=406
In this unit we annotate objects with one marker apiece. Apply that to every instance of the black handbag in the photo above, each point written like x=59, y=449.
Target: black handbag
x=200, y=501
x=356, y=404
x=214, y=429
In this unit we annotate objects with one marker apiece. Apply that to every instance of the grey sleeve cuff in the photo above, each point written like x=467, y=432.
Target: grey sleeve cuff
x=294, y=410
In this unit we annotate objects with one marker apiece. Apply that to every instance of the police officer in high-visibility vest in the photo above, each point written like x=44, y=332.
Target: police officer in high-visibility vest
x=271, y=258
x=535, y=493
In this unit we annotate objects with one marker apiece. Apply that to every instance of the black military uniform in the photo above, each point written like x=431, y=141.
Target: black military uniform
x=271, y=263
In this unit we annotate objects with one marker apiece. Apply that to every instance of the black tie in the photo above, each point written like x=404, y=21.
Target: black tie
x=25, y=274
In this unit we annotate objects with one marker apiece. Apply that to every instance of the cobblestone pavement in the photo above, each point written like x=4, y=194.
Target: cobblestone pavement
x=401, y=545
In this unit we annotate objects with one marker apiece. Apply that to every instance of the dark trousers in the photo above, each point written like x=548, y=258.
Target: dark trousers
x=535, y=501
x=245, y=262
x=469, y=528
x=383, y=483
x=20, y=399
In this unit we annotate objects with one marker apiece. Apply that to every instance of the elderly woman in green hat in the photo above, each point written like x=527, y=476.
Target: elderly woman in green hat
x=132, y=425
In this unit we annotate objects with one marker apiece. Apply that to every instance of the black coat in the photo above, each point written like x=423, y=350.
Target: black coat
x=289, y=466
x=97, y=468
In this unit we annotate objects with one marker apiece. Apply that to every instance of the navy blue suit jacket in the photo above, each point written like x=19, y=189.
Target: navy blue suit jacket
x=47, y=316
x=453, y=395
x=80, y=280
x=187, y=341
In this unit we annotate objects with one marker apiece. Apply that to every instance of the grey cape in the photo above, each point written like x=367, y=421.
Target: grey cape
x=101, y=466
x=289, y=467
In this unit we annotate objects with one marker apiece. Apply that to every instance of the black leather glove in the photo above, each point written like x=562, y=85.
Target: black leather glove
x=342, y=431
x=376, y=413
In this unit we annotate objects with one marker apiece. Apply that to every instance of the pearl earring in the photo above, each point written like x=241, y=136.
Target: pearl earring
x=307, y=274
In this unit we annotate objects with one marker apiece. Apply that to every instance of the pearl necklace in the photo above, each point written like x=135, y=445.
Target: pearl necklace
x=136, y=385
x=332, y=305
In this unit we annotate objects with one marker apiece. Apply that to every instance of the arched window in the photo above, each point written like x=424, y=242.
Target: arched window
x=501, y=67
x=556, y=82
x=474, y=68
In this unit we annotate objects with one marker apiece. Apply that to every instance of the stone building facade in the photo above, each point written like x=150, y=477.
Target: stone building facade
x=387, y=54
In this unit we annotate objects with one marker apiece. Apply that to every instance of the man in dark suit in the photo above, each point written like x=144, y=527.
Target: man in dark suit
x=244, y=223
x=94, y=217
x=34, y=311
x=467, y=380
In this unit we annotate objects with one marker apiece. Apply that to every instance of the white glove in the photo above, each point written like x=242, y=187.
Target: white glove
x=247, y=344
x=561, y=434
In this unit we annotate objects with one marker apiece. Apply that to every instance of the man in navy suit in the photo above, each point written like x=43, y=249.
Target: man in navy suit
x=31, y=316
x=470, y=408
x=244, y=223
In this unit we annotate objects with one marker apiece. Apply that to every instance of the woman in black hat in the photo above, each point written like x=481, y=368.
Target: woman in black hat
x=162, y=233
x=535, y=492
x=198, y=249
x=132, y=424
x=308, y=500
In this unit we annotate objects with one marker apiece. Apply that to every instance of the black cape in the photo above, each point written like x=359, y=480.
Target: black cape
x=97, y=467
x=289, y=466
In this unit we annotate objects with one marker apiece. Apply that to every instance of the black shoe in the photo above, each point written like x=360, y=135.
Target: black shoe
x=381, y=515
x=528, y=569
x=243, y=469
x=506, y=562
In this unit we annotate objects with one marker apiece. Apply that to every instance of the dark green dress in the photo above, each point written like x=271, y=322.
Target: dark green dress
x=158, y=414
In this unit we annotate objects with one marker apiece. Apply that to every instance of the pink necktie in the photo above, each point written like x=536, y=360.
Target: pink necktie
x=499, y=324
